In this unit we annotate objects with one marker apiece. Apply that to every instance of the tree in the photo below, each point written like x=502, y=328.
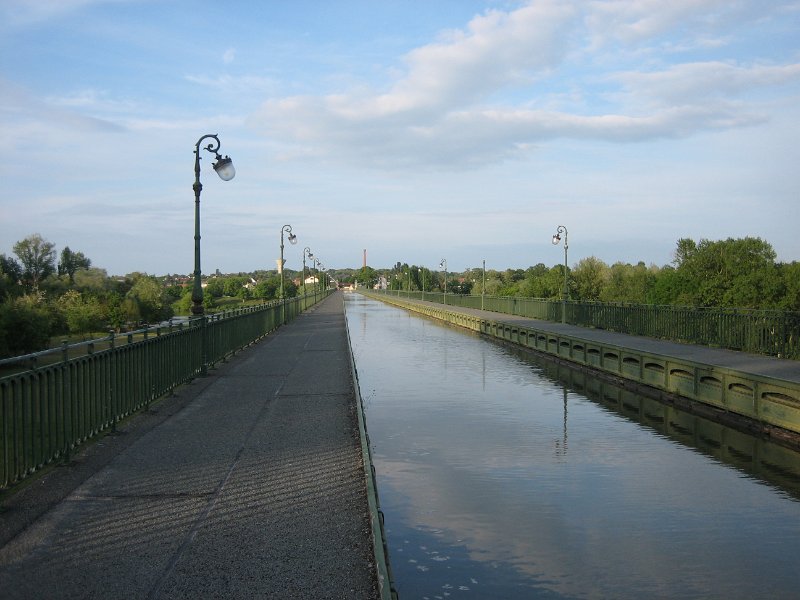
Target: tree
x=10, y=277
x=92, y=279
x=367, y=276
x=152, y=304
x=628, y=283
x=589, y=276
x=72, y=261
x=233, y=285
x=83, y=314
x=267, y=289
x=790, y=273
x=25, y=326
x=215, y=287
x=38, y=258
x=733, y=272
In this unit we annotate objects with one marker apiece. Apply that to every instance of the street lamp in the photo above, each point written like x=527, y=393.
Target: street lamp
x=443, y=265
x=557, y=238
x=317, y=263
x=224, y=168
x=422, y=276
x=292, y=241
x=306, y=252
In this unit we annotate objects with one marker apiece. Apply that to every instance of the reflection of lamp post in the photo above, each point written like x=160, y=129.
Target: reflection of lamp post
x=557, y=238
x=224, y=168
x=562, y=451
x=306, y=252
x=443, y=265
x=483, y=284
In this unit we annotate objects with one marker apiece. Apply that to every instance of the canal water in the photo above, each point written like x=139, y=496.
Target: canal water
x=502, y=475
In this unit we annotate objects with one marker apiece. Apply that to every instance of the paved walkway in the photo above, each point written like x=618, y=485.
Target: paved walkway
x=766, y=366
x=248, y=484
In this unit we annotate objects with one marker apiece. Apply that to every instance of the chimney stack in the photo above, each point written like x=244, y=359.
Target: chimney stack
x=365, y=257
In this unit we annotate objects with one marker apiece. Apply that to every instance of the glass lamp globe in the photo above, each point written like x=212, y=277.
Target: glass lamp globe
x=224, y=168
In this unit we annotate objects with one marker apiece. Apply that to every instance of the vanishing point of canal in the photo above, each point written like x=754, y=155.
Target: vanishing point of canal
x=503, y=476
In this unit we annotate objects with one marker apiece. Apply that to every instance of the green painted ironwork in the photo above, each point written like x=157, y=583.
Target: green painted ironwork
x=58, y=399
x=767, y=332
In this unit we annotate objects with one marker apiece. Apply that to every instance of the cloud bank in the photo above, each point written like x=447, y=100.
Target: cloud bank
x=511, y=80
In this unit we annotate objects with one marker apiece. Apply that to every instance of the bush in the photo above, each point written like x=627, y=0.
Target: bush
x=25, y=326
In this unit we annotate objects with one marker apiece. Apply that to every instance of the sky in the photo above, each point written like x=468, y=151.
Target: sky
x=464, y=130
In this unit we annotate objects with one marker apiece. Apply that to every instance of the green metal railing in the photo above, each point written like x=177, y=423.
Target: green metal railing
x=59, y=400
x=768, y=332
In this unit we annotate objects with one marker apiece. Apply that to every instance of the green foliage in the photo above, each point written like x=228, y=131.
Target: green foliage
x=733, y=272
x=92, y=279
x=367, y=276
x=457, y=286
x=38, y=259
x=268, y=289
x=543, y=283
x=233, y=285
x=72, y=261
x=83, y=314
x=589, y=278
x=25, y=326
x=10, y=277
x=215, y=287
x=147, y=301
x=628, y=283
x=790, y=274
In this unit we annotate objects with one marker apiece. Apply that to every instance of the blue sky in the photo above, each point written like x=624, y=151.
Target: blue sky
x=419, y=130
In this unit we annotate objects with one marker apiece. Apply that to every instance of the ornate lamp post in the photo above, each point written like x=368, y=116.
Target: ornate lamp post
x=306, y=252
x=224, y=168
x=443, y=265
x=321, y=274
x=292, y=241
x=317, y=264
x=557, y=238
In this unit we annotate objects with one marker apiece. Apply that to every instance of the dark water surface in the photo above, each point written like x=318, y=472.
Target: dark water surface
x=504, y=476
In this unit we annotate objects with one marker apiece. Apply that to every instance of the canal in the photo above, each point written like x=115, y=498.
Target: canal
x=502, y=475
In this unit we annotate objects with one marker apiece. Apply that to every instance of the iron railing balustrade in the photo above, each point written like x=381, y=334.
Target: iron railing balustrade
x=57, y=400
x=767, y=332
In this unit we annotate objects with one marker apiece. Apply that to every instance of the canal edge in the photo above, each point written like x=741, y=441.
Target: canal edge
x=386, y=585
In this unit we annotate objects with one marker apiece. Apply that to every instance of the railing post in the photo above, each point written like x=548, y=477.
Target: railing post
x=113, y=380
x=67, y=404
x=203, y=346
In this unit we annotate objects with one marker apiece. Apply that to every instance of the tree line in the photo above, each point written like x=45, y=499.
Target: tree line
x=44, y=294
x=731, y=273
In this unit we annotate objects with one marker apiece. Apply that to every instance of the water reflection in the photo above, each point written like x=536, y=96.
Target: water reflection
x=504, y=477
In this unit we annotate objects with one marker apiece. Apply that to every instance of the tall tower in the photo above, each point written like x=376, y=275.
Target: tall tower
x=365, y=257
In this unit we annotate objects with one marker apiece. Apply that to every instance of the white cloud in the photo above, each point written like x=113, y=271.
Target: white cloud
x=229, y=55
x=695, y=83
x=443, y=111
